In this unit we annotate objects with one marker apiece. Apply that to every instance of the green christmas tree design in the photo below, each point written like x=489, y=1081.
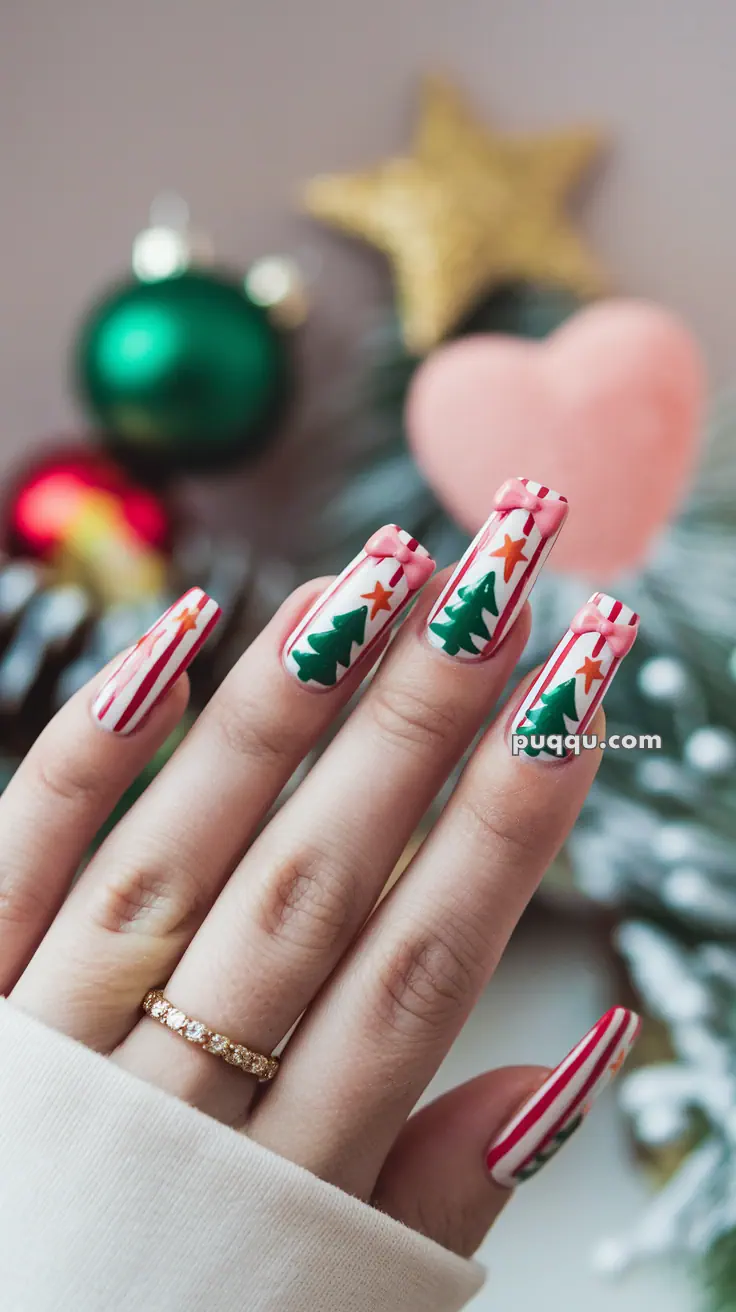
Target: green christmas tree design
x=541, y=1158
x=465, y=619
x=550, y=718
x=331, y=648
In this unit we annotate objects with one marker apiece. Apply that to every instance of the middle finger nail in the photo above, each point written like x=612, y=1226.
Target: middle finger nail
x=498, y=571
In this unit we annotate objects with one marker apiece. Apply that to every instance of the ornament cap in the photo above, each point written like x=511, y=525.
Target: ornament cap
x=277, y=283
x=169, y=245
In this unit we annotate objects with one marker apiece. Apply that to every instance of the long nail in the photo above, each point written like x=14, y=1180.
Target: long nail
x=569, y=689
x=147, y=672
x=351, y=616
x=554, y=1113
x=498, y=571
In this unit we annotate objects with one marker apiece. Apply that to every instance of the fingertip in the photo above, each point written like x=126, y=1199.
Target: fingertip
x=145, y=674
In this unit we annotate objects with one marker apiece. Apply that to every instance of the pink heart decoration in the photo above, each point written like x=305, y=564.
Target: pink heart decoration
x=606, y=411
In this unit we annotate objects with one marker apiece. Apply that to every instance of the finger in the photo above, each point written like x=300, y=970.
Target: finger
x=307, y=885
x=397, y=1002
x=452, y=1168
x=399, y=999
x=305, y=888
x=435, y=1179
x=66, y=786
x=143, y=895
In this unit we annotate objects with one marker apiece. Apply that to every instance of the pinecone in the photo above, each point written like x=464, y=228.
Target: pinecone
x=43, y=627
x=54, y=635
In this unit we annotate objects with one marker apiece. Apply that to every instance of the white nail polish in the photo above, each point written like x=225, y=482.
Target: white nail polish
x=498, y=571
x=571, y=685
x=147, y=672
x=548, y=1119
x=352, y=615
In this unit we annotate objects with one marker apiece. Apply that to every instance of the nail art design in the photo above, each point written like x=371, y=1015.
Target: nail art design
x=346, y=622
x=568, y=690
x=145, y=674
x=498, y=571
x=556, y=1110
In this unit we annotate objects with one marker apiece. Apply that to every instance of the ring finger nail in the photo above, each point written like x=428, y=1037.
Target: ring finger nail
x=350, y=617
x=552, y=1115
x=569, y=689
x=147, y=672
x=498, y=571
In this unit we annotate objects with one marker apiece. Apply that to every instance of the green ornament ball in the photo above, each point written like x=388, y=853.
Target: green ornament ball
x=182, y=373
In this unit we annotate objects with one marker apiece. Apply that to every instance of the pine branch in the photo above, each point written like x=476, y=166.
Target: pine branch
x=719, y=1274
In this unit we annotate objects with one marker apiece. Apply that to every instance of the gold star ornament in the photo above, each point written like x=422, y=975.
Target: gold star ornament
x=466, y=211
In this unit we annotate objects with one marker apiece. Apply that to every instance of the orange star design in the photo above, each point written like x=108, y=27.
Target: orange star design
x=592, y=671
x=138, y=658
x=616, y=1065
x=147, y=643
x=187, y=619
x=380, y=597
x=511, y=553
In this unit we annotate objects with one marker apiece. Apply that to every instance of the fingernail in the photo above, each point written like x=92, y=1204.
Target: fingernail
x=145, y=674
x=548, y=1119
x=347, y=621
x=498, y=571
x=567, y=692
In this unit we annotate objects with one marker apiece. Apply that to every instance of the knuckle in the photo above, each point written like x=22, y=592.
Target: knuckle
x=512, y=833
x=308, y=901
x=250, y=731
x=75, y=782
x=145, y=900
x=430, y=1214
x=408, y=716
x=451, y=1219
x=428, y=981
x=21, y=905
x=456, y=1221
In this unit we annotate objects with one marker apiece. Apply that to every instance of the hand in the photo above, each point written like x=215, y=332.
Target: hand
x=248, y=928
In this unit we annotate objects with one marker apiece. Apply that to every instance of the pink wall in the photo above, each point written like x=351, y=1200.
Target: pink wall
x=230, y=102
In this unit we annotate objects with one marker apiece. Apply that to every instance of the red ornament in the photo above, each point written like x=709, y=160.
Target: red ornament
x=82, y=513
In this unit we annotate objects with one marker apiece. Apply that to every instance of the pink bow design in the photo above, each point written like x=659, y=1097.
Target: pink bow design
x=620, y=637
x=416, y=565
x=548, y=512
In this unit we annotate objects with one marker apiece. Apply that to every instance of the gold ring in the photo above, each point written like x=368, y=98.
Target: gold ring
x=254, y=1063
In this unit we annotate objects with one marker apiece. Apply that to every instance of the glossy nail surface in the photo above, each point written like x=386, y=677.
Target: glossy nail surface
x=147, y=672
x=351, y=616
x=558, y=1108
x=571, y=685
x=498, y=571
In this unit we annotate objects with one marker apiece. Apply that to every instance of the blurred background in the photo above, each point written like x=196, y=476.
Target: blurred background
x=280, y=369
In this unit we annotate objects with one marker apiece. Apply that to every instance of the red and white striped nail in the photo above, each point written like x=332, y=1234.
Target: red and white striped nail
x=553, y=1114
x=351, y=616
x=147, y=672
x=483, y=597
x=572, y=684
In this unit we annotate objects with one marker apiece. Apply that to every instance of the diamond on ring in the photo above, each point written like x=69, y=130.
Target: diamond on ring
x=195, y=1031
x=187, y=1027
x=218, y=1044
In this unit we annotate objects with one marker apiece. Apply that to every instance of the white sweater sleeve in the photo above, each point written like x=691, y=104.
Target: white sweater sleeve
x=114, y=1195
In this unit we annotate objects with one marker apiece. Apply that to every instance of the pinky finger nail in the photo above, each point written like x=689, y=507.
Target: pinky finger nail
x=548, y=1119
x=147, y=672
